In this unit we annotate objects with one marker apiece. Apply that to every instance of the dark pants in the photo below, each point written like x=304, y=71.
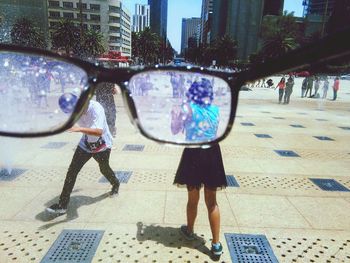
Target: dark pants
x=287, y=94
x=80, y=158
x=280, y=95
x=335, y=92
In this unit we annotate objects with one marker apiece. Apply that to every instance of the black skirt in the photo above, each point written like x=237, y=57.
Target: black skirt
x=200, y=167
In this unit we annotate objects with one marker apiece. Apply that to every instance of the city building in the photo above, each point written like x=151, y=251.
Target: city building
x=273, y=7
x=189, y=30
x=241, y=20
x=11, y=10
x=159, y=17
x=206, y=18
x=141, y=18
x=106, y=16
x=317, y=13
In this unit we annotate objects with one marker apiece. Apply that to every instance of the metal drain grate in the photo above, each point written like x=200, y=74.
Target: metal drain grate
x=10, y=174
x=74, y=246
x=54, y=145
x=321, y=120
x=123, y=177
x=231, y=181
x=287, y=153
x=134, y=147
x=324, y=138
x=329, y=185
x=247, y=124
x=345, y=128
x=302, y=113
x=266, y=112
x=250, y=249
x=297, y=126
x=262, y=135
x=279, y=118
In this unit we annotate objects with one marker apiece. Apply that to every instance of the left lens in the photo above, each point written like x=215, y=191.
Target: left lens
x=181, y=107
x=31, y=87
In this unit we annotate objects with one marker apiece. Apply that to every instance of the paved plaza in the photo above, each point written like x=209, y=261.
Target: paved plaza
x=274, y=157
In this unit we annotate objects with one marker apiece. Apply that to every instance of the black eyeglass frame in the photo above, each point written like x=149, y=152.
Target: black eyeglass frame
x=310, y=57
x=97, y=74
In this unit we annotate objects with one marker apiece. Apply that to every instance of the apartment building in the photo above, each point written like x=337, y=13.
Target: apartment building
x=106, y=16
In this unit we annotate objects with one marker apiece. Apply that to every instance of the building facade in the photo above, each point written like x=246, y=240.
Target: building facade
x=241, y=20
x=189, y=29
x=206, y=18
x=159, y=17
x=106, y=16
x=273, y=7
x=141, y=18
x=11, y=10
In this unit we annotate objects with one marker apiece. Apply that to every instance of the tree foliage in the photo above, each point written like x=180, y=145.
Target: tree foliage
x=280, y=34
x=85, y=43
x=24, y=33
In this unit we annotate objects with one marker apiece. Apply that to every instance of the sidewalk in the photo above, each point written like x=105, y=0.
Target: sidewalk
x=274, y=195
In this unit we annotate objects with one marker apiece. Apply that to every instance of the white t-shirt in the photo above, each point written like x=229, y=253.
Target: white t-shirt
x=95, y=118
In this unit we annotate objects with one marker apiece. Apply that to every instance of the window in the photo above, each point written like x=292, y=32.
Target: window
x=68, y=15
x=95, y=27
x=84, y=6
x=68, y=4
x=113, y=9
x=95, y=7
x=95, y=17
x=113, y=19
x=113, y=39
x=114, y=29
x=54, y=4
x=84, y=16
x=54, y=14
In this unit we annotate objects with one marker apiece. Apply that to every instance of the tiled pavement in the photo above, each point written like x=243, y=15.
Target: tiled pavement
x=274, y=195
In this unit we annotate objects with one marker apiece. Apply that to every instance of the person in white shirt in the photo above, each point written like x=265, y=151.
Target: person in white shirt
x=96, y=142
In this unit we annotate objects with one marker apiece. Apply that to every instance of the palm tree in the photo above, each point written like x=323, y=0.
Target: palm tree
x=24, y=33
x=280, y=35
x=91, y=45
x=149, y=45
x=66, y=35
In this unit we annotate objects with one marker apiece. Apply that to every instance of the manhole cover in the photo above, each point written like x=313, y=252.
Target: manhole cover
x=231, y=181
x=134, y=147
x=74, y=246
x=10, y=174
x=54, y=145
x=329, y=185
x=247, y=124
x=297, y=126
x=287, y=153
x=262, y=135
x=250, y=249
x=323, y=138
x=123, y=177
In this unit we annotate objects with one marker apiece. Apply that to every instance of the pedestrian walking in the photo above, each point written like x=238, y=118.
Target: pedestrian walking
x=105, y=96
x=281, y=87
x=289, y=90
x=325, y=88
x=310, y=83
x=317, y=86
x=96, y=142
x=199, y=120
x=335, y=88
x=304, y=87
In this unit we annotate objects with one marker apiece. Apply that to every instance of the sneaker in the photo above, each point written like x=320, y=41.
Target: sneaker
x=216, y=249
x=115, y=190
x=56, y=209
x=186, y=233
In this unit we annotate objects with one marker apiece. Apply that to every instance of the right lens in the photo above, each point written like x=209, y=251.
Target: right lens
x=181, y=107
x=31, y=87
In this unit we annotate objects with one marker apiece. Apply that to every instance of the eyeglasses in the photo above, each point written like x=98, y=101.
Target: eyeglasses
x=43, y=93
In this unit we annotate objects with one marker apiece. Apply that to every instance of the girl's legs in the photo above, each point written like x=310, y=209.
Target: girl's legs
x=192, y=205
x=213, y=213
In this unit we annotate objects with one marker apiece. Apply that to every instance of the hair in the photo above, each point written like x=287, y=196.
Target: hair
x=200, y=90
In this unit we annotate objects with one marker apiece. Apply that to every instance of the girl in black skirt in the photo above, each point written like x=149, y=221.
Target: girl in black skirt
x=200, y=166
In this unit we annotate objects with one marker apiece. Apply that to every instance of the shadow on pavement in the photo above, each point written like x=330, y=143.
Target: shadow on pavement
x=72, y=211
x=170, y=237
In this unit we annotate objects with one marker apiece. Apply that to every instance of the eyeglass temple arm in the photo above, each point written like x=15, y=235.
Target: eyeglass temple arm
x=311, y=56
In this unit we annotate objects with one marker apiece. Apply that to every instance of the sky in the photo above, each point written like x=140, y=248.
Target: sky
x=178, y=9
